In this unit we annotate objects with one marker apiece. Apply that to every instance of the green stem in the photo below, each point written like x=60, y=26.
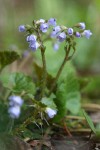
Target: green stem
x=66, y=58
x=44, y=74
x=10, y=126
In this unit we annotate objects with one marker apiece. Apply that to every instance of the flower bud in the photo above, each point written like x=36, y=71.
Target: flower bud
x=82, y=25
x=70, y=31
x=40, y=21
x=77, y=34
x=22, y=28
x=51, y=112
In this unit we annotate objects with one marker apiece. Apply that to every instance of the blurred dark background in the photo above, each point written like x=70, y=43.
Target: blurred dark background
x=68, y=12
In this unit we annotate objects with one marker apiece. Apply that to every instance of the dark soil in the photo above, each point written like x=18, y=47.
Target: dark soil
x=67, y=143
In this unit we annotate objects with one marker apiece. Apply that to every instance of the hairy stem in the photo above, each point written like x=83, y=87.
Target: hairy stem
x=66, y=58
x=44, y=74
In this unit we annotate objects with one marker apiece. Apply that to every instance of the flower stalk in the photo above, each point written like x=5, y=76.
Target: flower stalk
x=44, y=74
x=66, y=58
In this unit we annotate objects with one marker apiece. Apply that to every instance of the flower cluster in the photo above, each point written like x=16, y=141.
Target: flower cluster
x=58, y=33
x=32, y=40
x=43, y=27
x=15, y=103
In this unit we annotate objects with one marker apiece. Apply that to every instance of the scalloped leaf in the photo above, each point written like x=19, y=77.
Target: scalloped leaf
x=7, y=57
x=49, y=102
x=68, y=96
x=18, y=83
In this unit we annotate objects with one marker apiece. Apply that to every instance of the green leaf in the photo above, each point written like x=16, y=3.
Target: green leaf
x=7, y=57
x=39, y=71
x=49, y=102
x=93, y=87
x=18, y=83
x=32, y=135
x=89, y=121
x=73, y=102
x=67, y=95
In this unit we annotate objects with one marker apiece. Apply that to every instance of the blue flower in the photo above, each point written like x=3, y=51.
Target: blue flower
x=52, y=21
x=56, y=46
x=15, y=100
x=15, y=103
x=55, y=31
x=77, y=34
x=22, y=28
x=34, y=46
x=51, y=112
x=14, y=112
x=61, y=37
x=31, y=38
x=44, y=27
x=87, y=33
x=70, y=31
x=82, y=25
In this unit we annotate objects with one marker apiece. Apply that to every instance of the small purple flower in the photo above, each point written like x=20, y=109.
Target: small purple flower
x=34, y=46
x=15, y=100
x=51, y=112
x=52, y=21
x=55, y=31
x=14, y=112
x=21, y=28
x=61, y=37
x=82, y=25
x=77, y=34
x=31, y=38
x=87, y=33
x=15, y=103
x=70, y=31
x=56, y=46
x=44, y=27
